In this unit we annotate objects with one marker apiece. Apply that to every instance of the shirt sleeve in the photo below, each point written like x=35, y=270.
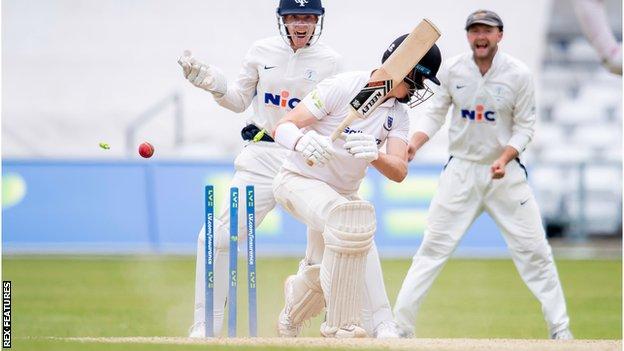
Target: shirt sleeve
x=328, y=96
x=240, y=94
x=435, y=115
x=523, y=114
x=401, y=129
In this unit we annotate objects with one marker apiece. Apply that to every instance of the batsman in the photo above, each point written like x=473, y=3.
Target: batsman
x=324, y=196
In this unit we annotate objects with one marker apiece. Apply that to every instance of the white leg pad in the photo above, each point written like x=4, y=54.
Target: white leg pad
x=304, y=295
x=348, y=236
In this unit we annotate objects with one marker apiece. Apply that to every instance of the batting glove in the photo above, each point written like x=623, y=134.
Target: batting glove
x=362, y=146
x=202, y=75
x=315, y=148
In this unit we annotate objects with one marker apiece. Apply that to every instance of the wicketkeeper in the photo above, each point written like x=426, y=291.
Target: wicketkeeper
x=276, y=73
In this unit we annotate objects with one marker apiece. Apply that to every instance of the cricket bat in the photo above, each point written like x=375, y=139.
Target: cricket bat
x=390, y=74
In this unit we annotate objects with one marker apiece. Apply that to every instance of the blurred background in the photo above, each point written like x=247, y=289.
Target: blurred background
x=101, y=243
x=77, y=73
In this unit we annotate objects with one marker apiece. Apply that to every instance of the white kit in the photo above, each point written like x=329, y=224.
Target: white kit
x=273, y=79
x=490, y=112
x=315, y=194
x=330, y=101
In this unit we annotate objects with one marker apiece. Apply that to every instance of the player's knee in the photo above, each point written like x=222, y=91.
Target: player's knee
x=532, y=251
x=350, y=227
x=335, y=204
x=543, y=252
x=437, y=245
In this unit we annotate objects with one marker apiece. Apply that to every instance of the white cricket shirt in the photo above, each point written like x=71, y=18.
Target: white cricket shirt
x=274, y=79
x=329, y=103
x=489, y=112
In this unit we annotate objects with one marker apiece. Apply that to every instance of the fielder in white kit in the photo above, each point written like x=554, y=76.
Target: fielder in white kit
x=325, y=198
x=492, y=122
x=276, y=74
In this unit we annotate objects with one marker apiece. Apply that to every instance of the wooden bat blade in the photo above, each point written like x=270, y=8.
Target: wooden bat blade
x=393, y=71
x=411, y=50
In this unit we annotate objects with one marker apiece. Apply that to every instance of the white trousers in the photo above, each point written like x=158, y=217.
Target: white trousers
x=310, y=201
x=465, y=190
x=258, y=164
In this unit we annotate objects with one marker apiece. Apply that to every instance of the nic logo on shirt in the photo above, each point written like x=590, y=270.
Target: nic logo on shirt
x=479, y=114
x=282, y=99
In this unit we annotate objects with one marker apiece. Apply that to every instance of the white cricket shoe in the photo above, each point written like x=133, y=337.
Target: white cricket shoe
x=387, y=330
x=346, y=332
x=565, y=334
x=285, y=328
x=198, y=330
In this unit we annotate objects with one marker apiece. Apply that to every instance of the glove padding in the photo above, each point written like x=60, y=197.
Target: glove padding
x=315, y=148
x=202, y=75
x=362, y=146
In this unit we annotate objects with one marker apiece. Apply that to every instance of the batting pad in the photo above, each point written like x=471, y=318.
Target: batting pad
x=304, y=296
x=348, y=236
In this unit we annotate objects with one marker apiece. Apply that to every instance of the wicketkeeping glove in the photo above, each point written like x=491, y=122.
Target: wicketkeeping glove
x=202, y=75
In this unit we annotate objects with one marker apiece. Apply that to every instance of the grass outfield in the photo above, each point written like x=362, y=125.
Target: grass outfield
x=153, y=296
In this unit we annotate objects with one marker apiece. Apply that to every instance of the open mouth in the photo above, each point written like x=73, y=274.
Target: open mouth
x=300, y=34
x=484, y=45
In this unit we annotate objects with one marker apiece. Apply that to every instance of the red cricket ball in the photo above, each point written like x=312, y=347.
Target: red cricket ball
x=146, y=150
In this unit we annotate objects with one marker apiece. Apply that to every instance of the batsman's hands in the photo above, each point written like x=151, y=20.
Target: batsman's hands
x=203, y=75
x=362, y=146
x=498, y=169
x=316, y=149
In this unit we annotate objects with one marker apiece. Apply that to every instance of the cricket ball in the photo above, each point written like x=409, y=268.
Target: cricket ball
x=146, y=150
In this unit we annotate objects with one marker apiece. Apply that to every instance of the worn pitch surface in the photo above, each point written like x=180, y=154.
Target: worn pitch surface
x=373, y=344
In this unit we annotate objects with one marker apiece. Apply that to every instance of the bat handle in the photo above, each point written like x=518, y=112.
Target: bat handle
x=353, y=115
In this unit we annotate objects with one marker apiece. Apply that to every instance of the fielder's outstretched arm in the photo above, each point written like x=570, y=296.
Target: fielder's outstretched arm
x=235, y=97
x=239, y=95
x=416, y=142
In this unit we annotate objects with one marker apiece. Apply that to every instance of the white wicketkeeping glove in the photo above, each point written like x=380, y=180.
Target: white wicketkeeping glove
x=315, y=148
x=362, y=146
x=202, y=75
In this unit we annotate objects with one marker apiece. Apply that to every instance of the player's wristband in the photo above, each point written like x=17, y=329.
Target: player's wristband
x=287, y=134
